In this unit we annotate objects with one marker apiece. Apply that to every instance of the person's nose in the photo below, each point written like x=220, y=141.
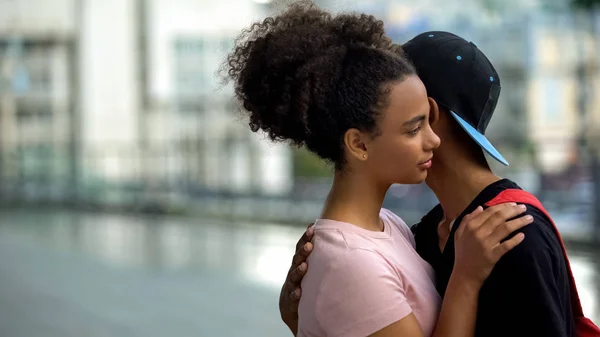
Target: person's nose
x=433, y=141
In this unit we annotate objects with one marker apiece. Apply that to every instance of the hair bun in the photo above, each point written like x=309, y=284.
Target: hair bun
x=286, y=70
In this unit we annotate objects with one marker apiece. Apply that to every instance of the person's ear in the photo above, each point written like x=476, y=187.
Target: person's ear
x=355, y=142
x=434, y=111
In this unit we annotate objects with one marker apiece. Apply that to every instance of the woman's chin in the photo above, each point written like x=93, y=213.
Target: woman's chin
x=414, y=180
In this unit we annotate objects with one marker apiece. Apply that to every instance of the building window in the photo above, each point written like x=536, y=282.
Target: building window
x=27, y=68
x=33, y=109
x=196, y=63
x=191, y=104
x=190, y=74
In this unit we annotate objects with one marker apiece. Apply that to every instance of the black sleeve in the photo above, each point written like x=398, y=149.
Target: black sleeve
x=527, y=293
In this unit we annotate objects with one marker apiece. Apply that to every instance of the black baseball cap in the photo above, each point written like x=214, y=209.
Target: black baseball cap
x=459, y=77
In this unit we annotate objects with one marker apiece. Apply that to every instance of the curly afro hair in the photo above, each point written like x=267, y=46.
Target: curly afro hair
x=306, y=77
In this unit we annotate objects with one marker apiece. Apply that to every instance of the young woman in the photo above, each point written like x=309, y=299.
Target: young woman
x=338, y=86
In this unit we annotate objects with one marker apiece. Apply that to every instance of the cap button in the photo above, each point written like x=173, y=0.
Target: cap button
x=474, y=45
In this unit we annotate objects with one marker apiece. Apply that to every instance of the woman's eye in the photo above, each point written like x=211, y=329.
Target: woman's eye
x=414, y=131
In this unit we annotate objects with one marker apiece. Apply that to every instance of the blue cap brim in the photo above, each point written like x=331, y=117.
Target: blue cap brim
x=480, y=139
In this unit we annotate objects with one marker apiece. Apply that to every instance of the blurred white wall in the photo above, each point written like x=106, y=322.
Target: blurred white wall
x=37, y=17
x=109, y=87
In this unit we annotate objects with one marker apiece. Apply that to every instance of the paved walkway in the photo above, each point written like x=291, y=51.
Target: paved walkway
x=70, y=275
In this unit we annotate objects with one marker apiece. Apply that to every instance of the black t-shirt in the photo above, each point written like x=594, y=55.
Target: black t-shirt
x=527, y=293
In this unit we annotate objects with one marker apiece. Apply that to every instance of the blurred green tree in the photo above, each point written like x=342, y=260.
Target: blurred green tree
x=586, y=4
x=309, y=165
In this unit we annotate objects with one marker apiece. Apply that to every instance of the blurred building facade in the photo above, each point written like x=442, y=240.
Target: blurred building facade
x=36, y=53
x=113, y=99
x=132, y=84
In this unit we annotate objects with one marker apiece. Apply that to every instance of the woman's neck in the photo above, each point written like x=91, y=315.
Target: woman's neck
x=355, y=199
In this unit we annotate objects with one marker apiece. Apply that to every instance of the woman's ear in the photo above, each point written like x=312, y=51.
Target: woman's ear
x=355, y=144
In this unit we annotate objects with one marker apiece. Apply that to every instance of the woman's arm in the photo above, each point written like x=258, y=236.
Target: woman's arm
x=478, y=244
x=459, y=309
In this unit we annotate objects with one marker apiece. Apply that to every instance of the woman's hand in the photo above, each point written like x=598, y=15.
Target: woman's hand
x=480, y=242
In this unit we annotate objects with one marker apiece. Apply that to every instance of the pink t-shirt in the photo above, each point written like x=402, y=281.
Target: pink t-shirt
x=361, y=281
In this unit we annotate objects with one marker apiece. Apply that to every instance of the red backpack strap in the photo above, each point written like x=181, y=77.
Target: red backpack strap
x=523, y=197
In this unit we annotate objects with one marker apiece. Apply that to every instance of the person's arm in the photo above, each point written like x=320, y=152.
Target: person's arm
x=529, y=288
x=289, y=296
x=457, y=315
x=479, y=244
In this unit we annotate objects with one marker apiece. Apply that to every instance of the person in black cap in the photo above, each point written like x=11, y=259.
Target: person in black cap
x=529, y=292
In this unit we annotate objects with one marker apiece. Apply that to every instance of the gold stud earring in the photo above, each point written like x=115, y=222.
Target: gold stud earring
x=364, y=156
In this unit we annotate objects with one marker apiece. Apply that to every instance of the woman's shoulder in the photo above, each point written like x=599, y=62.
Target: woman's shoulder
x=392, y=219
x=391, y=216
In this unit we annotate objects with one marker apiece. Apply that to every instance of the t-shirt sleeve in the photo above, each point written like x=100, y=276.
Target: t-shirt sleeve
x=361, y=295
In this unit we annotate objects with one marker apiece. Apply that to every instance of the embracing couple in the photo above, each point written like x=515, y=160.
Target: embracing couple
x=487, y=261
